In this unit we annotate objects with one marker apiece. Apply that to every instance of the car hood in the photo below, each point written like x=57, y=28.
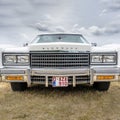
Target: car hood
x=60, y=46
x=17, y=50
x=107, y=48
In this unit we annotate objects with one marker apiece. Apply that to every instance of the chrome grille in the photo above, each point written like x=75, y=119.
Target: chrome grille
x=59, y=60
x=80, y=79
x=38, y=79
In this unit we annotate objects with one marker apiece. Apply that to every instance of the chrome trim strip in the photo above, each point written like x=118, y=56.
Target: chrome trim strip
x=91, y=76
x=106, y=70
x=59, y=71
x=74, y=81
x=29, y=78
x=13, y=72
x=46, y=81
x=78, y=83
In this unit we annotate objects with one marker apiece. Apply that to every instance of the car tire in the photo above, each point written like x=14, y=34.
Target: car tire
x=101, y=86
x=16, y=86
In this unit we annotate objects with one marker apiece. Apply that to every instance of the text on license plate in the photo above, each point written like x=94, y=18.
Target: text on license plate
x=59, y=81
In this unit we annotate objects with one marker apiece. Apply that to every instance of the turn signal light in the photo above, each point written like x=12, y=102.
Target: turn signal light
x=14, y=77
x=105, y=77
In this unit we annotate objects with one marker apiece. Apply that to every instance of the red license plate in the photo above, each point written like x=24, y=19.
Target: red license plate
x=59, y=81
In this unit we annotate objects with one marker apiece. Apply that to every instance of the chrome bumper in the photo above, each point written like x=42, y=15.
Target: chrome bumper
x=14, y=72
x=60, y=71
x=47, y=73
x=74, y=73
x=105, y=71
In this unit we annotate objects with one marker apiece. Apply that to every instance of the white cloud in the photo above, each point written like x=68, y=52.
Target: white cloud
x=112, y=5
x=104, y=11
x=59, y=29
x=48, y=27
x=41, y=27
x=110, y=29
x=22, y=20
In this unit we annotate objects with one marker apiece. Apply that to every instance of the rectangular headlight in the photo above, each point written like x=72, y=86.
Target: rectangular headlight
x=15, y=59
x=10, y=59
x=23, y=59
x=104, y=58
x=109, y=59
x=96, y=59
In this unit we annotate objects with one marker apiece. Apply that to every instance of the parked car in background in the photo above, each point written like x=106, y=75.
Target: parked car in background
x=59, y=60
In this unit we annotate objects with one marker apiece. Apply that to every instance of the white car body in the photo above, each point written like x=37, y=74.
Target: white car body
x=43, y=75
x=2, y=48
x=109, y=48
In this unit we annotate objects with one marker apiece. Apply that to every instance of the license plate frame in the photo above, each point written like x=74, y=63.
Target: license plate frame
x=59, y=81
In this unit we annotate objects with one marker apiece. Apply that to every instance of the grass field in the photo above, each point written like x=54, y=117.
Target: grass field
x=80, y=103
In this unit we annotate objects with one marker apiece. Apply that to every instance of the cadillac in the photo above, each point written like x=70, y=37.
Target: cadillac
x=59, y=60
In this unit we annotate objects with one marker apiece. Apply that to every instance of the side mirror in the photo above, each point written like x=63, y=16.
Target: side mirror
x=94, y=44
x=25, y=44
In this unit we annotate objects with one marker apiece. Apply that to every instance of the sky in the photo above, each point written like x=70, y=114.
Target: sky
x=22, y=20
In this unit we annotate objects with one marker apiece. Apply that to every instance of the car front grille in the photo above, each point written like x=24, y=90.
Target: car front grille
x=59, y=60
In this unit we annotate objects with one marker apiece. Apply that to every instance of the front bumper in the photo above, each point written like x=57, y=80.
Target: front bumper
x=25, y=72
x=105, y=71
x=76, y=76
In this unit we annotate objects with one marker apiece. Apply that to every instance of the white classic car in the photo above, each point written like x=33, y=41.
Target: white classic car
x=59, y=60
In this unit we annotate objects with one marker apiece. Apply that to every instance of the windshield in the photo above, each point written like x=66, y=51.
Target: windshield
x=48, y=38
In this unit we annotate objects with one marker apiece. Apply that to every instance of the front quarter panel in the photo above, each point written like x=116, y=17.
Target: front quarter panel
x=107, y=69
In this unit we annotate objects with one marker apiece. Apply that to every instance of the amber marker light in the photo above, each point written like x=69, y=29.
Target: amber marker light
x=14, y=77
x=105, y=77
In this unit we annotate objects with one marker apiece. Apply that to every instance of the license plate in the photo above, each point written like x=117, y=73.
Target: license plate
x=59, y=81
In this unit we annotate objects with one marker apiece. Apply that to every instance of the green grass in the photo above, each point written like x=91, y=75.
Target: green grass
x=80, y=103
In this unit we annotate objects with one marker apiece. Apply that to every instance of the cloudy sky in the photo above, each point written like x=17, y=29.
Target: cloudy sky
x=22, y=20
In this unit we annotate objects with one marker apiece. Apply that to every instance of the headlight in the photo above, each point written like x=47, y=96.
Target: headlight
x=15, y=59
x=109, y=59
x=10, y=59
x=23, y=59
x=96, y=59
x=101, y=58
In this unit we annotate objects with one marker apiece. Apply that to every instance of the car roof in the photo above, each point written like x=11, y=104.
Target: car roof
x=59, y=34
